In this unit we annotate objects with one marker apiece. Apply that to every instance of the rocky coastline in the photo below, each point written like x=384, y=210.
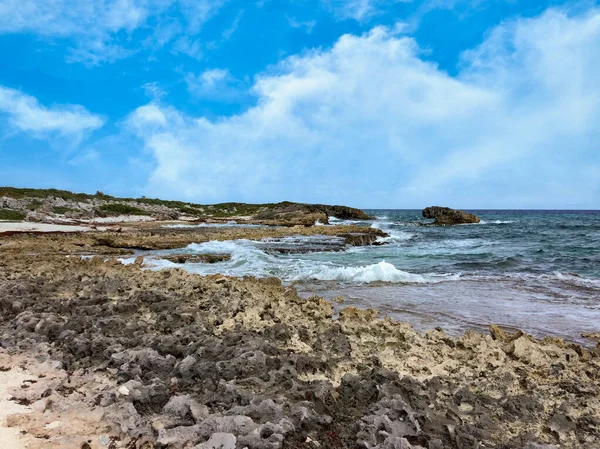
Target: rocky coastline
x=107, y=355
x=64, y=207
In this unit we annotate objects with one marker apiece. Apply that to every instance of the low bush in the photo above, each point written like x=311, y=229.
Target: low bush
x=12, y=215
x=62, y=210
x=121, y=209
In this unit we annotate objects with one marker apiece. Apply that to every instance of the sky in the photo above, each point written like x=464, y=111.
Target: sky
x=368, y=103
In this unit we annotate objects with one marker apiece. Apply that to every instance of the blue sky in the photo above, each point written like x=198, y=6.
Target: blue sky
x=372, y=103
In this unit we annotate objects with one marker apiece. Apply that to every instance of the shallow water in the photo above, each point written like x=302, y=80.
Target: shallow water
x=534, y=270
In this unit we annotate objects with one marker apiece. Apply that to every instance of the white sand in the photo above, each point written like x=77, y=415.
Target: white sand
x=7, y=226
x=10, y=437
x=120, y=219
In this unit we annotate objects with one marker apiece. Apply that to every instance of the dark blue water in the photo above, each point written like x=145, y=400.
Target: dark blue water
x=528, y=242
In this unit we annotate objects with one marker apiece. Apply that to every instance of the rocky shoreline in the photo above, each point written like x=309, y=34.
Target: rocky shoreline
x=122, y=357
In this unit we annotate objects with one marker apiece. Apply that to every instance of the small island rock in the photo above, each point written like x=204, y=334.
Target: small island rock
x=447, y=216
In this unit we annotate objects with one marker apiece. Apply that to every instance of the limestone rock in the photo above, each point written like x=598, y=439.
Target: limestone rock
x=219, y=440
x=197, y=258
x=447, y=216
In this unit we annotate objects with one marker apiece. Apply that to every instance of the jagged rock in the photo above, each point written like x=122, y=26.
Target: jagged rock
x=292, y=215
x=343, y=212
x=35, y=217
x=184, y=405
x=447, y=216
x=362, y=239
x=527, y=351
x=219, y=440
x=204, y=355
x=179, y=437
x=309, y=214
x=197, y=258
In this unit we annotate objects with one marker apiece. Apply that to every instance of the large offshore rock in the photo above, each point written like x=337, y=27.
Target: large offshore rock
x=447, y=216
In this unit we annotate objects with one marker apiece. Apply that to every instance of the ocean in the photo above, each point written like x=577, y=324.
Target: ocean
x=538, y=271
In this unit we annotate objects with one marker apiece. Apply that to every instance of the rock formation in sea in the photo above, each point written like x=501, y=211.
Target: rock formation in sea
x=448, y=216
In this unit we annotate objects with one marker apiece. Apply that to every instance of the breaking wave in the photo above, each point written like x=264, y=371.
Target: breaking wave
x=248, y=259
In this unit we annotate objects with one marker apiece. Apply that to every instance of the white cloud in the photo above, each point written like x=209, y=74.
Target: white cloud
x=228, y=32
x=198, y=12
x=216, y=84
x=26, y=114
x=96, y=26
x=307, y=25
x=369, y=122
x=359, y=9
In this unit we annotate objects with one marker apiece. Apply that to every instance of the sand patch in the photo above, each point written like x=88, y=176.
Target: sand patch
x=9, y=226
x=11, y=437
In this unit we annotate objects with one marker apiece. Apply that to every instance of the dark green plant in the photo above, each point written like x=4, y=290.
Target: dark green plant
x=121, y=209
x=12, y=215
x=34, y=204
x=62, y=210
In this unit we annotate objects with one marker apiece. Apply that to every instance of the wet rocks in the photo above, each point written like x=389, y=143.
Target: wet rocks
x=447, y=216
x=363, y=238
x=197, y=258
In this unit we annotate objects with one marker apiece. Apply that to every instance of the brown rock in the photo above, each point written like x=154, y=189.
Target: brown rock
x=197, y=258
x=447, y=216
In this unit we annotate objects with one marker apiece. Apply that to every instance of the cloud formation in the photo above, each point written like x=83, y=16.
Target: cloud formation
x=359, y=9
x=25, y=114
x=96, y=27
x=370, y=122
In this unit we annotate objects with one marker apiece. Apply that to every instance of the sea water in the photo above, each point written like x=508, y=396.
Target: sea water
x=534, y=270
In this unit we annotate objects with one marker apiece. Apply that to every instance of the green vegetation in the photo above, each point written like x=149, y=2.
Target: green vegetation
x=121, y=209
x=12, y=215
x=34, y=204
x=189, y=211
x=221, y=210
x=62, y=210
x=13, y=192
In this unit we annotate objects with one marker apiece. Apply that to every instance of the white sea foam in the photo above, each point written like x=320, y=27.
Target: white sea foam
x=530, y=277
x=382, y=272
x=247, y=259
x=483, y=222
x=451, y=247
x=394, y=234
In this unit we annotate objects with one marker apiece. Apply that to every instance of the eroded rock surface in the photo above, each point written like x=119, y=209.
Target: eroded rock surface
x=174, y=360
x=447, y=216
x=197, y=258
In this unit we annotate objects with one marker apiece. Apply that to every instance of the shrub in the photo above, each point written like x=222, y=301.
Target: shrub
x=189, y=211
x=34, y=204
x=12, y=215
x=121, y=209
x=62, y=210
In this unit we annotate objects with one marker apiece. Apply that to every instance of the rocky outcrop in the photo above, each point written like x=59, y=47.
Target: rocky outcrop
x=197, y=258
x=308, y=214
x=343, y=212
x=447, y=216
x=291, y=215
x=50, y=203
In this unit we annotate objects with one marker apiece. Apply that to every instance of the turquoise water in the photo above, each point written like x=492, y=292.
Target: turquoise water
x=534, y=270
